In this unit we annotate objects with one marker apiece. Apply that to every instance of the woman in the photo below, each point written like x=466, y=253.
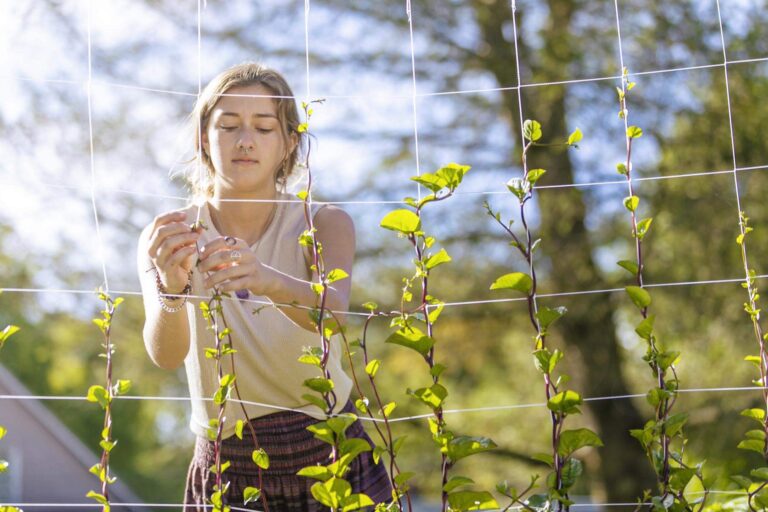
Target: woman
x=248, y=144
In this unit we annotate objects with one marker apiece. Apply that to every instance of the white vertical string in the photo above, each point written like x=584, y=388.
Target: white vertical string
x=414, y=93
x=198, y=121
x=733, y=139
x=623, y=90
x=513, y=6
x=307, y=7
x=89, y=93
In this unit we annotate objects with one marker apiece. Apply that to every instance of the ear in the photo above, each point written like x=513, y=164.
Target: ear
x=206, y=143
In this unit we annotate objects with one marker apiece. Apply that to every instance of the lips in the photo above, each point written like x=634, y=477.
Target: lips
x=244, y=161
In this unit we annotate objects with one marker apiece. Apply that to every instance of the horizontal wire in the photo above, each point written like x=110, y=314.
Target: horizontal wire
x=406, y=96
x=119, y=504
x=396, y=419
x=587, y=184
x=384, y=313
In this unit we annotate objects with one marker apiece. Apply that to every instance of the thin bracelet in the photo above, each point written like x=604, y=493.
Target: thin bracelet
x=161, y=291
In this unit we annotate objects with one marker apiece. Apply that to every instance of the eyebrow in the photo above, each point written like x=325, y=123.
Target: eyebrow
x=254, y=115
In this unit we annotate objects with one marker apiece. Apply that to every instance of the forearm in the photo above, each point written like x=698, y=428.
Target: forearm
x=166, y=335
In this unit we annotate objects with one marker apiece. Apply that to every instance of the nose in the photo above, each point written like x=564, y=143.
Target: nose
x=246, y=140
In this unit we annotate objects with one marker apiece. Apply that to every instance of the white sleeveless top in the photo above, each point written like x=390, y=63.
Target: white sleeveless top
x=268, y=343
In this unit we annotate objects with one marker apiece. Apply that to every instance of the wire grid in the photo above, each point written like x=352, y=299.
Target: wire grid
x=414, y=96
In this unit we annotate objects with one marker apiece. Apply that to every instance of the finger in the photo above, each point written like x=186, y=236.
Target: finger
x=232, y=273
x=233, y=285
x=173, y=243
x=182, y=258
x=164, y=232
x=220, y=243
x=225, y=258
x=165, y=218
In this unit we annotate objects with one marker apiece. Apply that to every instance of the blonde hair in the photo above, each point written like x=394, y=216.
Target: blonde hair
x=242, y=75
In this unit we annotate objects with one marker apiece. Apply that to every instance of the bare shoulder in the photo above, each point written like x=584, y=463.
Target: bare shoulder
x=333, y=217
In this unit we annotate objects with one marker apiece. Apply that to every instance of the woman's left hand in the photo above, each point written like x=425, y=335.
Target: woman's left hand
x=231, y=265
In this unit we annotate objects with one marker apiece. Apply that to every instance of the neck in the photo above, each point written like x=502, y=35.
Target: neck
x=245, y=220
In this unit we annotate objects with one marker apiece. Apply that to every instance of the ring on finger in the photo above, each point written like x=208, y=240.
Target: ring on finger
x=235, y=255
x=230, y=240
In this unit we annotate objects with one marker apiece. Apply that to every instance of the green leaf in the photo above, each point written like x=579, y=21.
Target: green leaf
x=464, y=446
x=370, y=306
x=121, y=387
x=6, y=333
x=456, y=482
x=532, y=130
x=339, y=424
x=546, y=315
x=634, y=132
x=107, y=445
x=372, y=367
x=742, y=481
x=437, y=259
x=643, y=226
x=251, y=495
x=667, y=359
x=403, y=221
x=316, y=401
x=629, y=266
x=546, y=458
x=565, y=402
x=433, y=396
x=3, y=468
x=322, y=432
x=753, y=445
x=302, y=194
x=336, y=274
x=519, y=187
x=321, y=473
x=645, y=328
x=239, y=429
x=431, y=181
x=453, y=174
x=362, y=405
x=534, y=174
x=97, y=497
x=631, y=203
x=756, y=414
x=303, y=127
x=261, y=458
x=674, y=424
x=622, y=169
x=387, y=409
x=354, y=446
x=3, y=431
x=574, y=137
x=321, y=493
x=515, y=281
x=760, y=473
x=639, y=296
x=572, y=440
x=413, y=338
x=472, y=500
x=98, y=394
x=319, y=384
x=356, y=502
x=755, y=434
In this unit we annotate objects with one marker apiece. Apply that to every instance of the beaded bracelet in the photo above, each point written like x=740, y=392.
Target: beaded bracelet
x=161, y=292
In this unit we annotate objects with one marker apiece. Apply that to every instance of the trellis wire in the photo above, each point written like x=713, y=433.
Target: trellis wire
x=403, y=96
x=394, y=419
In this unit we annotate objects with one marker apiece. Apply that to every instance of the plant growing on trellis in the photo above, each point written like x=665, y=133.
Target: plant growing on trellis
x=662, y=437
x=105, y=396
x=407, y=224
x=561, y=402
x=6, y=333
x=755, y=440
x=331, y=489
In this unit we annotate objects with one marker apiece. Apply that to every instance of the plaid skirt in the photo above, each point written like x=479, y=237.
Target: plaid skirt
x=290, y=446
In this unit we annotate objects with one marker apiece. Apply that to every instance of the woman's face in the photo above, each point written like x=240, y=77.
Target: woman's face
x=244, y=141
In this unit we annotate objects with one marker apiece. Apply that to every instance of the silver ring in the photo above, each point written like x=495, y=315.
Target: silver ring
x=230, y=240
x=235, y=255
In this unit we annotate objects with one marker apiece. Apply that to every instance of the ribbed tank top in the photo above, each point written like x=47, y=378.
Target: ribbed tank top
x=268, y=343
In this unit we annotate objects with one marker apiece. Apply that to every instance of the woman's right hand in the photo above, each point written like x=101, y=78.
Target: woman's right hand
x=173, y=249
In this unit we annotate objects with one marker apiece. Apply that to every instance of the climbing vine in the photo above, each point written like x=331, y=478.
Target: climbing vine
x=561, y=402
x=662, y=437
x=104, y=396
